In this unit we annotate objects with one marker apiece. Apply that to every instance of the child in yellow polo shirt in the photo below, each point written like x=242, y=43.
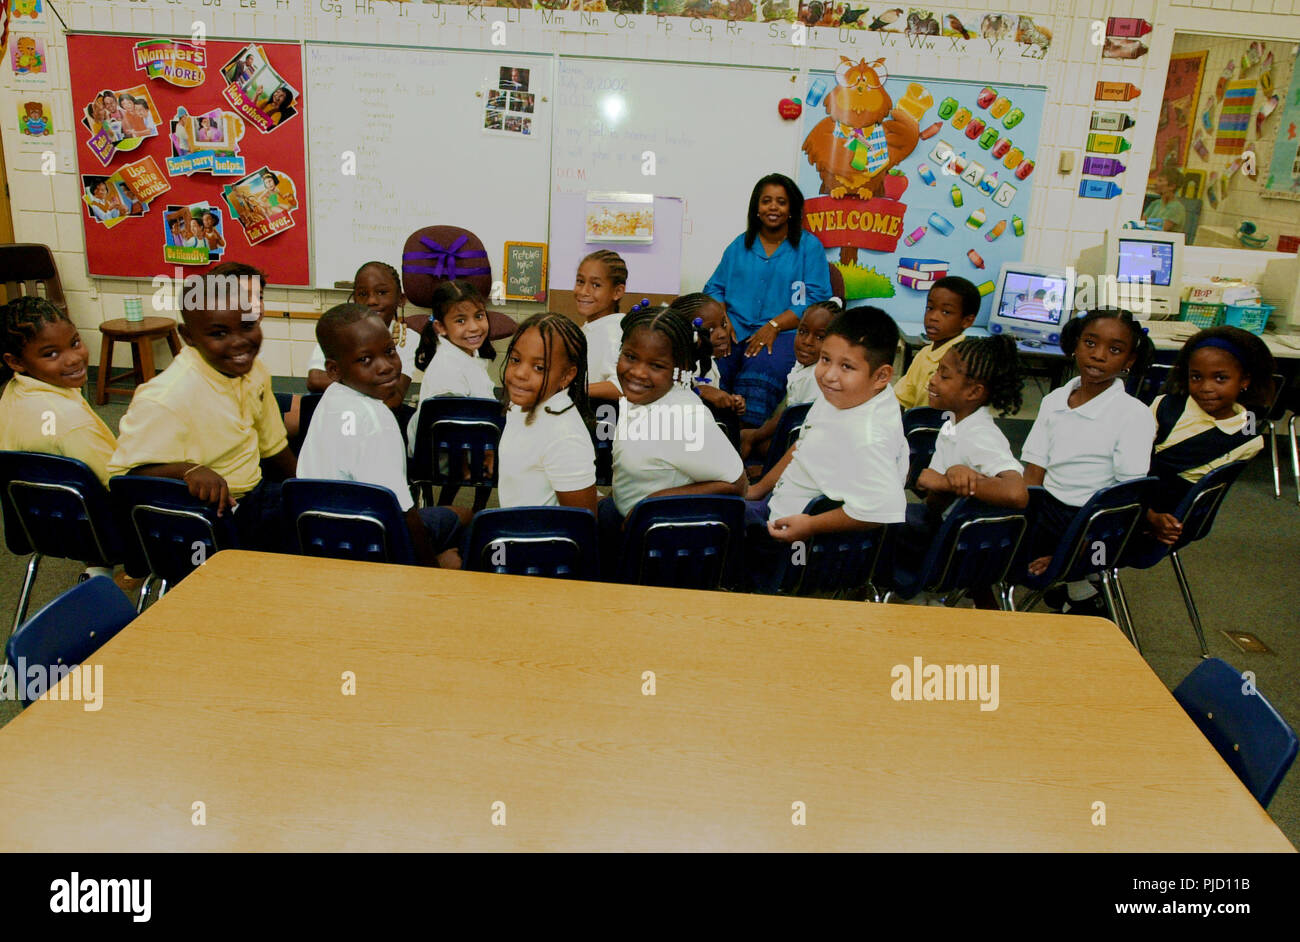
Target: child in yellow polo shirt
x=210, y=419
x=43, y=370
x=951, y=306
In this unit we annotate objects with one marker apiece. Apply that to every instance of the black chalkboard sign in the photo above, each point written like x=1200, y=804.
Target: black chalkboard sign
x=526, y=271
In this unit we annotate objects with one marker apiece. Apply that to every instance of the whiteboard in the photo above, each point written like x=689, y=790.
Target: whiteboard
x=714, y=131
x=414, y=120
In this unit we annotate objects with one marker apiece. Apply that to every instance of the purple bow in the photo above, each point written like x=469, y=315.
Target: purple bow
x=444, y=260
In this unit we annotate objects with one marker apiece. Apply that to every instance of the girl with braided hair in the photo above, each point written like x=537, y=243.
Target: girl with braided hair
x=666, y=442
x=709, y=318
x=546, y=452
x=43, y=370
x=598, y=289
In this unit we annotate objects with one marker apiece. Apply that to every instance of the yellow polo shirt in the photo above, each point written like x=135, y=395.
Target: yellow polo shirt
x=911, y=390
x=53, y=420
x=192, y=412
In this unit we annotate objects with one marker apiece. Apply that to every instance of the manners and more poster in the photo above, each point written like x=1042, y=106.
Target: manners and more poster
x=907, y=180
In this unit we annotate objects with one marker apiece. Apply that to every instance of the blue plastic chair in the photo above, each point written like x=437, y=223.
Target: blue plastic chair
x=1250, y=735
x=974, y=548
x=1197, y=510
x=306, y=409
x=1100, y=531
x=602, y=438
x=453, y=438
x=836, y=563
x=787, y=432
x=689, y=542
x=921, y=428
x=346, y=520
x=166, y=532
x=66, y=632
x=557, y=542
x=54, y=506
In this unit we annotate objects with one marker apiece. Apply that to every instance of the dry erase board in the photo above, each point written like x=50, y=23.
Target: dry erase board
x=708, y=133
x=406, y=138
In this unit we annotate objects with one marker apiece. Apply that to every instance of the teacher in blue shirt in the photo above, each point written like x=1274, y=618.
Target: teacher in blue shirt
x=766, y=278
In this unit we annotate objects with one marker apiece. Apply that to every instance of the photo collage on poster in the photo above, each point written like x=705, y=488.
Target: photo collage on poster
x=193, y=235
x=119, y=120
x=125, y=193
x=258, y=93
x=510, y=106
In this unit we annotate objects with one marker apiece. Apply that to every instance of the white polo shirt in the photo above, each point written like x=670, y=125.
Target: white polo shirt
x=604, y=343
x=405, y=352
x=858, y=456
x=801, y=385
x=671, y=442
x=552, y=453
x=1106, y=440
x=975, y=442
x=451, y=372
x=353, y=437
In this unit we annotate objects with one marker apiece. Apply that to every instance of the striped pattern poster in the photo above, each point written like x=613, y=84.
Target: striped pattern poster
x=1234, y=118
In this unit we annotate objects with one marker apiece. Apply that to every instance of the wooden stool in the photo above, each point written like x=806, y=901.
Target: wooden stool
x=141, y=335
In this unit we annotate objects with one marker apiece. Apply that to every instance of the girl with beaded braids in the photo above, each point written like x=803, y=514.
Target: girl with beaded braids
x=666, y=442
x=598, y=290
x=713, y=329
x=546, y=454
x=43, y=369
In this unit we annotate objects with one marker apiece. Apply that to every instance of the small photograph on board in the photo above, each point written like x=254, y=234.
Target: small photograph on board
x=258, y=93
x=263, y=202
x=513, y=79
x=27, y=55
x=520, y=101
x=192, y=235
x=119, y=120
x=492, y=120
x=109, y=200
x=35, y=120
x=620, y=217
x=526, y=126
x=497, y=99
x=514, y=123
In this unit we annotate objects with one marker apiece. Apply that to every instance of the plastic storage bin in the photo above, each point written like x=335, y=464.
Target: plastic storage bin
x=1251, y=317
x=1202, y=315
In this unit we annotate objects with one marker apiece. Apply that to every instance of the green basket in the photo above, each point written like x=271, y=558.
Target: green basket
x=1202, y=315
x=1251, y=317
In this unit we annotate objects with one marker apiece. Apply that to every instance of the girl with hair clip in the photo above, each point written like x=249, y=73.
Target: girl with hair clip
x=598, y=290
x=709, y=318
x=1089, y=434
x=666, y=442
x=546, y=453
x=458, y=366
x=1215, y=398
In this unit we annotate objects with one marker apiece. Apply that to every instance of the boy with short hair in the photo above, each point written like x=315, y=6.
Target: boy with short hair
x=354, y=435
x=210, y=419
x=851, y=449
x=951, y=306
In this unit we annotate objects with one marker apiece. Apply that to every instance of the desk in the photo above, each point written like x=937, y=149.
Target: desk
x=760, y=702
x=1051, y=362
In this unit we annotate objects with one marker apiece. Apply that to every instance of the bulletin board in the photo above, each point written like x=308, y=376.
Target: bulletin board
x=196, y=157
x=898, y=209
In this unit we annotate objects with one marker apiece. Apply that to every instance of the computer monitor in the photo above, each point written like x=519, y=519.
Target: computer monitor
x=1144, y=272
x=1032, y=303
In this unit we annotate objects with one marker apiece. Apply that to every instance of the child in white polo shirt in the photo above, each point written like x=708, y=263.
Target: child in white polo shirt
x=354, y=435
x=1089, y=434
x=546, y=452
x=852, y=449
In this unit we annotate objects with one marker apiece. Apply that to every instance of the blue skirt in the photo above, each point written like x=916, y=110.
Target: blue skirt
x=760, y=378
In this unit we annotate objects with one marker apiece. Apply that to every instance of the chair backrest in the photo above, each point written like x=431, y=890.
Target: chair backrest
x=690, y=542
x=921, y=428
x=1281, y=401
x=1201, y=504
x=602, y=438
x=1148, y=385
x=728, y=424
x=787, y=431
x=453, y=437
x=974, y=547
x=559, y=542
x=1247, y=731
x=28, y=268
x=57, y=507
x=306, y=409
x=165, y=531
x=834, y=562
x=64, y=633
x=346, y=520
x=1096, y=538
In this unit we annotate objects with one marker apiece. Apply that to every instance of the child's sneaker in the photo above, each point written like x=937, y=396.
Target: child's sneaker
x=1093, y=605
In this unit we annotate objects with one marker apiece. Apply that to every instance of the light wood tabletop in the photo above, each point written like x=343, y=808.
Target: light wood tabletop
x=474, y=689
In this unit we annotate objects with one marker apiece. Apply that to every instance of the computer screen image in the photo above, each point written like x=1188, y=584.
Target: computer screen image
x=1032, y=303
x=1144, y=260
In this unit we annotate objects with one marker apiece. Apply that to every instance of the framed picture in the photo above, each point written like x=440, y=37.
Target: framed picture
x=525, y=268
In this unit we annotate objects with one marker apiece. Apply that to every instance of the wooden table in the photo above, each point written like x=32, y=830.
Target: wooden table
x=473, y=689
x=140, y=335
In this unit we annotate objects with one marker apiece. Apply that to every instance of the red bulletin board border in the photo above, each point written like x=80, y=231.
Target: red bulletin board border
x=134, y=247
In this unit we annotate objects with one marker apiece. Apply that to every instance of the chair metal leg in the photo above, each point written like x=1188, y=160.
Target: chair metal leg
x=952, y=601
x=162, y=588
x=1192, y=613
x=1111, y=598
x=1295, y=454
x=142, y=599
x=25, y=596
x=1272, y=445
x=1124, y=610
x=1006, y=596
x=1034, y=598
x=889, y=596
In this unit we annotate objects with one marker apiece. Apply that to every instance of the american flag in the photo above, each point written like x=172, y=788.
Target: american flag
x=4, y=26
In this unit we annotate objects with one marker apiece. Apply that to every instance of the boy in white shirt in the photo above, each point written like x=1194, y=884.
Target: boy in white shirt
x=354, y=435
x=852, y=449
